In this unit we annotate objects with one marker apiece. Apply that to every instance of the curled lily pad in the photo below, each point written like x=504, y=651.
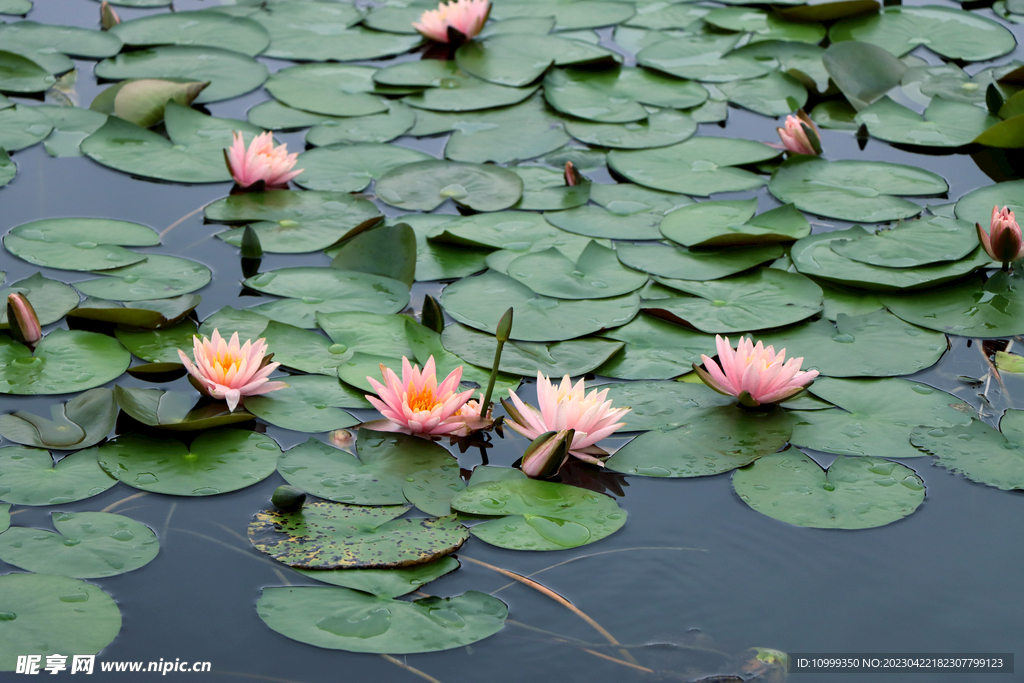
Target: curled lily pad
x=654, y=349
x=50, y=299
x=81, y=422
x=54, y=614
x=436, y=260
x=715, y=440
x=385, y=583
x=733, y=223
x=87, y=545
x=153, y=314
x=80, y=243
x=216, y=462
x=310, y=403
x=175, y=410
x=945, y=123
x=978, y=451
x=158, y=277
x=862, y=71
x=326, y=535
x=30, y=476
x=425, y=185
x=63, y=362
x=344, y=619
x=539, y=515
x=854, y=493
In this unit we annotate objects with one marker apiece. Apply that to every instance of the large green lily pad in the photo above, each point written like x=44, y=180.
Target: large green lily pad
x=976, y=308
x=80, y=243
x=81, y=422
x=425, y=185
x=49, y=298
x=663, y=405
x=159, y=346
x=210, y=29
x=330, y=89
x=625, y=211
x=152, y=314
x=385, y=583
x=518, y=59
x=176, y=410
x=64, y=362
x=21, y=75
x=978, y=451
x=158, y=277
x=689, y=264
x=917, y=243
x=733, y=223
x=945, y=123
x=597, y=274
x=702, y=56
x=310, y=403
x=22, y=127
x=654, y=349
x=351, y=168
x=30, y=477
x=325, y=31
x=618, y=95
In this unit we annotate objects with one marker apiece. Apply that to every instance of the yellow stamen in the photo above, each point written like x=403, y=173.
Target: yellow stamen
x=422, y=400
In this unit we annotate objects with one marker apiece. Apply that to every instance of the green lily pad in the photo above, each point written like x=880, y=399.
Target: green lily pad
x=22, y=127
x=618, y=95
x=5, y=518
x=626, y=212
x=351, y=168
x=516, y=232
x=30, y=476
x=64, y=362
x=87, y=545
x=976, y=206
x=425, y=185
x=325, y=31
x=310, y=403
x=382, y=127
x=522, y=131
x=567, y=15
x=541, y=515
x=206, y=29
x=326, y=535
x=54, y=614
x=7, y=169
x=538, y=318
x=158, y=277
x=853, y=190
x=660, y=129
x=248, y=324
x=714, y=441
x=68, y=40
x=854, y=493
x=992, y=308
x=304, y=350
x=518, y=59
x=574, y=357
x=875, y=416
x=216, y=462
x=156, y=313
x=80, y=243
x=81, y=422
x=679, y=262
x=654, y=349
x=544, y=189
x=176, y=410
x=361, y=365
x=385, y=583
x=945, y=123
x=874, y=345
x=331, y=89
x=733, y=223
x=862, y=71
x=764, y=25
x=273, y=115
x=597, y=274
x=978, y=451
x=21, y=7
x=756, y=301
x=699, y=166
x=384, y=335
x=802, y=61
x=325, y=290
x=344, y=619
x=230, y=74
x=193, y=154
x=50, y=299
x=773, y=94
x=701, y=56
x=375, y=477
x=436, y=260
x=161, y=345
x=21, y=75
x=664, y=405
x=918, y=243
x=952, y=33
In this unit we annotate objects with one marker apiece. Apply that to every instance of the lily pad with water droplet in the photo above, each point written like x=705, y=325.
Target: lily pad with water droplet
x=537, y=318
x=978, y=451
x=45, y=614
x=176, y=410
x=216, y=462
x=854, y=493
x=713, y=441
x=344, y=619
x=302, y=350
x=976, y=308
x=541, y=515
x=30, y=476
x=351, y=168
x=326, y=535
x=663, y=405
x=87, y=545
x=50, y=299
x=597, y=274
x=375, y=476
x=210, y=29
x=425, y=185
x=81, y=422
x=654, y=349
x=310, y=403
x=158, y=277
x=80, y=243
x=618, y=95
x=916, y=243
x=385, y=583
x=161, y=345
x=875, y=416
x=64, y=362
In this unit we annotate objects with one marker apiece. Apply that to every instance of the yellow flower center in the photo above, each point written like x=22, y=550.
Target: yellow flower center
x=226, y=362
x=423, y=400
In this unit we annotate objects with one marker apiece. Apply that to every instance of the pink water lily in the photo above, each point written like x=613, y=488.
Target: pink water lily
x=417, y=404
x=1003, y=241
x=228, y=371
x=564, y=407
x=261, y=161
x=465, y=16
x=800, y=135
x=754, y=374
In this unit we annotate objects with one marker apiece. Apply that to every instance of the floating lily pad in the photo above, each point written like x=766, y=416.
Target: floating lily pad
x=976, y=206
x=216, y=462
x=325, y=31
x=567, y=15
x=152, y=314
x=64, y=362
x=425, y=185
x=303, y=350
x=700, y=166
x=384, y=335
x=248, y=324
x=351, y=168
x=664, y=405
x=597, y=274
x=331, y=89
x=7, y=168
x=875, y=416
x=917, y=243
x=80, y=243
x=992, y=308
x=733, y=223
x=21, y=75
x=541, y=515
x=81, y=422
x=425, y=343
x=343, y=619
x=853, y=190
x=978, y=451
x=618, y=95
x=310, y=403
x=374, y=477
x=230, y=74
x=273, y=115
x=773, y=94
x=159, y=346
x=50, y=299
x=654, y=349
x=87, y=545
x=30, y=476
x=518, y=59
x=854, y=493
x=945, y=123
x=208, y=29
x=862, y=71
x=436, y=260
x=5, y=518
x=714, y=441
x=385, y=583
x=176, y=410
x=326, y=535
x=765, y=25
x=629, y=212
x=760, y=300
x=53, y=614
x=158, y=277
x=22, y=127
x=513, y=231
x=522, y=131
x=21, y=7
x=68, y=40
x=688, y=264
x=381, y=127
x=544, y=189
x=802, y=61
x=660, y=129
x=703, y=57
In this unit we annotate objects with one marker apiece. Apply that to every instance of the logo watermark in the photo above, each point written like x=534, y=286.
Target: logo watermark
x=86, y=664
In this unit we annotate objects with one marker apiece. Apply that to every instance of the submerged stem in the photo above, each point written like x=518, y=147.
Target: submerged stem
x=115, y=504
x=411, y=669
x=181, y=220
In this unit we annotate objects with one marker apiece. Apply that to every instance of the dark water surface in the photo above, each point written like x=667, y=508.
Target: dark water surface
x=694, y=568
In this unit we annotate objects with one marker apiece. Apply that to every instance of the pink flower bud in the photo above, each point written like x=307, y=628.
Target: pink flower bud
x=463, y=17
x=572, y=175
x=546, y=455
x=23, y=320
x=108, y=17
x=1003, y=241
x=800, y=136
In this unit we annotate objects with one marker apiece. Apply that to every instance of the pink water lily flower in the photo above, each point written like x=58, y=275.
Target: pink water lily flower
x=417, y=404
x=228, y=371
x=800, y=136
x=1003, y=242
x=261, y=161
x=564, y=407
x=465, y=16
x=754, y=374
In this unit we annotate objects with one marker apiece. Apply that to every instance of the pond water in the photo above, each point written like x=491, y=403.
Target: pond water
x=692, y=581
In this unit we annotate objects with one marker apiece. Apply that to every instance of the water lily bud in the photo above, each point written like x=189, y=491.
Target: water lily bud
x=23, y=320
x=800, y=135
x=108, y=17
x=288, y=498
x=251, y=247
x=431, y=315
x=504, y=330
x=454, y=22
x=1003, y=242
x=343, y=439
x=545, y=456
x=572, y=175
